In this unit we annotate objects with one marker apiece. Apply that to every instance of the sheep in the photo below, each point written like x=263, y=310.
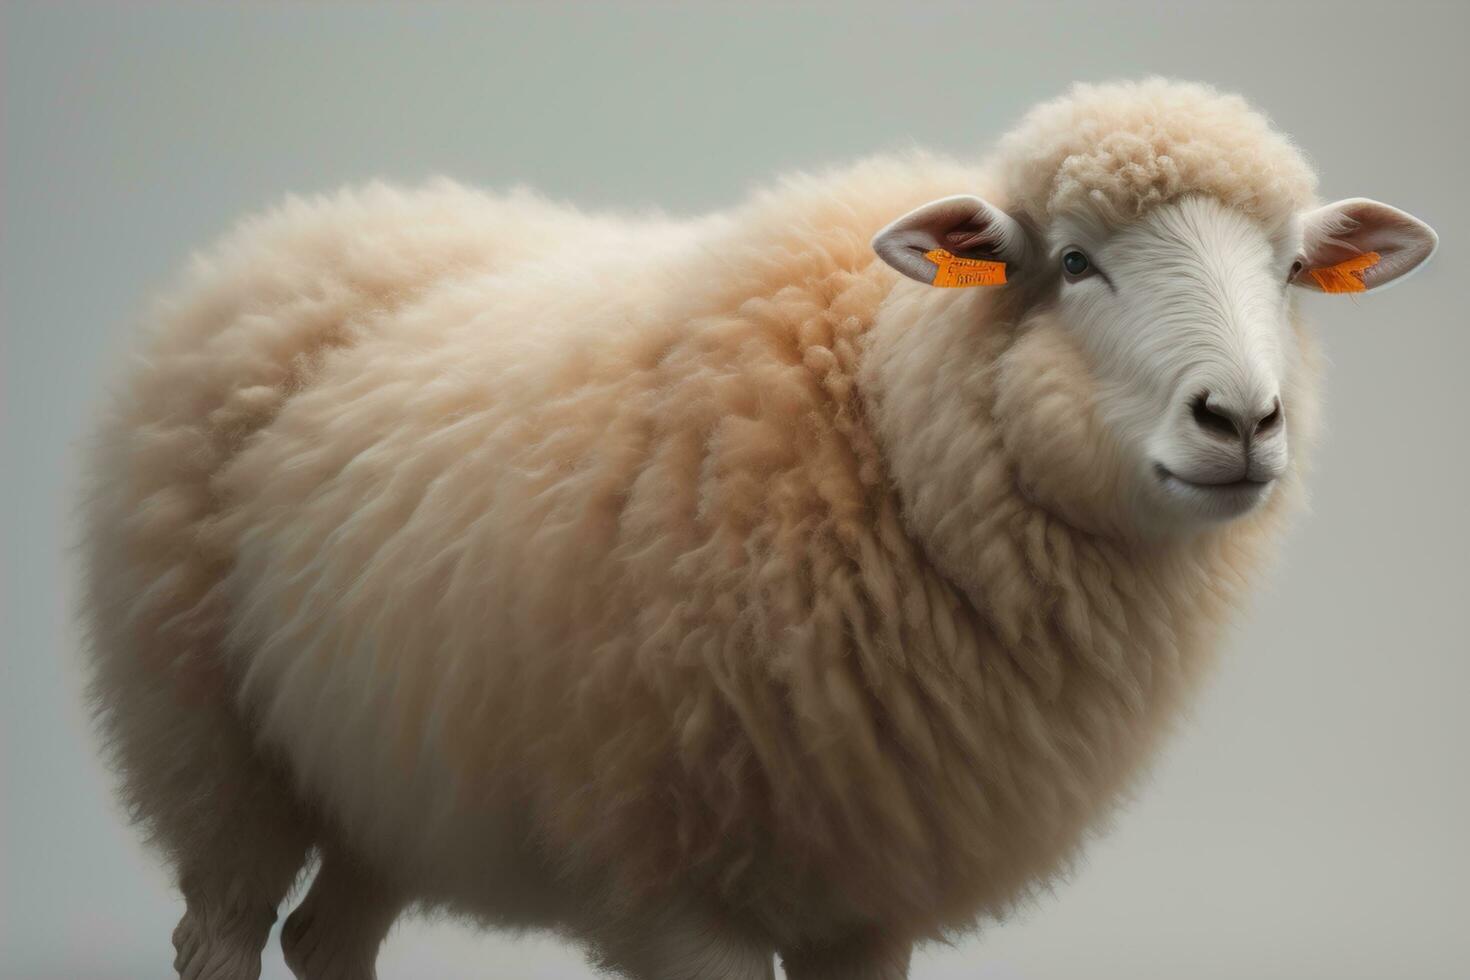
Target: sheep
x=704, y=591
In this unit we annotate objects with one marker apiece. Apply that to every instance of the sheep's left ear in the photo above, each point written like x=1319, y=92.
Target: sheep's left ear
x=1356, y=245
x=954, y=241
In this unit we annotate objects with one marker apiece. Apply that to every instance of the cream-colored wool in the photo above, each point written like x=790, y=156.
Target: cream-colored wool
x=1122, y=156
x=700, y=590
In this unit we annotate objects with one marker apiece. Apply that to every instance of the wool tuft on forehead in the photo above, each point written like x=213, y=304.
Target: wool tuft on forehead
x=1120, y=149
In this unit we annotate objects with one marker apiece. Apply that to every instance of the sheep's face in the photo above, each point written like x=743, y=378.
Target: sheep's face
x=1185, y=318
x=1176, y=334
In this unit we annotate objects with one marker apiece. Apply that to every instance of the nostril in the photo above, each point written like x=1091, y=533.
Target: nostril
x=1210, y=420
x=1272, y=420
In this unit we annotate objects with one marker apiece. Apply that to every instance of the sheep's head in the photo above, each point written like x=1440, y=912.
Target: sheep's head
x=1154, y=238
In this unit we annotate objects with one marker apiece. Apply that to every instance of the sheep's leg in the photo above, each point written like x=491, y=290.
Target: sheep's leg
x=224, y=816
x=334, y=934
x=683, y=945
x=235, y=864
x=222, y=933
x=865, y=957
x=223, y=813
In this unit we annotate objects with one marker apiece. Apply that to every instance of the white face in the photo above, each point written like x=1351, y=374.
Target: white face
x=1185, y=321
x=1185, y=316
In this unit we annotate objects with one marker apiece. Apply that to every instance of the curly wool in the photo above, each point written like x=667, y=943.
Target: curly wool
x=1120, y=149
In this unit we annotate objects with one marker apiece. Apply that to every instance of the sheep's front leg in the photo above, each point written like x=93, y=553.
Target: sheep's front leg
x=865, y=957
x=336, y=931
x=682, y=945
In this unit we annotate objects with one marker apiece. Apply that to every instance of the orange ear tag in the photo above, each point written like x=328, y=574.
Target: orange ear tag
x=1346, y=277
x=957, y=273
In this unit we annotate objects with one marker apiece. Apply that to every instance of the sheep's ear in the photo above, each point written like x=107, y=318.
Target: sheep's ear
x=954, y=241
x=1356, y=245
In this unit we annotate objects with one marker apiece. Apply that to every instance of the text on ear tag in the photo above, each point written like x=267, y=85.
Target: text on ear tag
x=1346, y=277
x=955, y=272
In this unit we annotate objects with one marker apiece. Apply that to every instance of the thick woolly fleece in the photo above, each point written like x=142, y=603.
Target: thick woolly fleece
x=568, y=570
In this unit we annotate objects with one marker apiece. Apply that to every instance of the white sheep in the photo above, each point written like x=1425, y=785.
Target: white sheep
x=703, y=591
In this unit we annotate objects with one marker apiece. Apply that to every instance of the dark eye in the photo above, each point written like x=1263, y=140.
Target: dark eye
x=1075, y=262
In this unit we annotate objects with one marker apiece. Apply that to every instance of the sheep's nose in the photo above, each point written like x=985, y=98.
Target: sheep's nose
x=1221, y=418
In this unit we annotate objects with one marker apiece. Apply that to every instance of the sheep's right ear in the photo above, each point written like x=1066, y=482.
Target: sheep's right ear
x=954, y=241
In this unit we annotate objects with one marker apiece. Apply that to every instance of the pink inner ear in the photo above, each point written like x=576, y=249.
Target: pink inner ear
x=1347, y=230
x=962, y=225
x=966, y=238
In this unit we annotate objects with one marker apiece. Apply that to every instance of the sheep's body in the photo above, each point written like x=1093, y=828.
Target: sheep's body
x=555, y=569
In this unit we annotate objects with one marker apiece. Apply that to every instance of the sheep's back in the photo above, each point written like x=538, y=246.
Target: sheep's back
x=248, y=328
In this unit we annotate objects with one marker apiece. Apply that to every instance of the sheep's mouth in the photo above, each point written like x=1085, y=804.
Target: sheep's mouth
x=1245, y=484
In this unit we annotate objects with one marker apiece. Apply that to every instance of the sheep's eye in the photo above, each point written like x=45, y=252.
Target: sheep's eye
x=1075, y=263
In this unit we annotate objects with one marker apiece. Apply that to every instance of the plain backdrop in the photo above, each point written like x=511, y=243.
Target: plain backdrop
x=1310, y=821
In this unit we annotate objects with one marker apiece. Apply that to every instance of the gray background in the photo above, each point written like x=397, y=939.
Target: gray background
x=1310, y=819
